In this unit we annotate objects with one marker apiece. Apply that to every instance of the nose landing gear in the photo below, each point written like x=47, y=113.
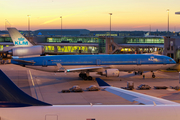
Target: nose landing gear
x=153, y=75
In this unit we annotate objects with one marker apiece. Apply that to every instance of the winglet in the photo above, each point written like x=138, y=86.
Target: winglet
x=12, y=96
x=102, y=83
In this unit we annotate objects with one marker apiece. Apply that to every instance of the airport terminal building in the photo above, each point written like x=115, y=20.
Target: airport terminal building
x=92, y=45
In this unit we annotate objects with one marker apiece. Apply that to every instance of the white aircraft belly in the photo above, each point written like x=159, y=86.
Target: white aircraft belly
x=97, y=112
x=151, y=67
x=143, y=67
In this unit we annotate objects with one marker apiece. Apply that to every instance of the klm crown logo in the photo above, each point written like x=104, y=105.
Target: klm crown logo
x=153, y=59
x=21, y=41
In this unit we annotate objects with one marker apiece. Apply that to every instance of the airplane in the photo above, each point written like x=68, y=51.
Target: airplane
x=17, y=105
x=177, y=13
x=22, y=47
x=148, y=35
x=106, y=65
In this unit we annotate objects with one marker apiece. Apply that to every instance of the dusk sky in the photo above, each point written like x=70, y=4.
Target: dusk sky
x=128, y=15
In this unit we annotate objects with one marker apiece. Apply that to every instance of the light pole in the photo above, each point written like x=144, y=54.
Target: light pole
x=110, y=24
x=28, y=26
x=177, y=13
x=61, y=25
x=168, y=21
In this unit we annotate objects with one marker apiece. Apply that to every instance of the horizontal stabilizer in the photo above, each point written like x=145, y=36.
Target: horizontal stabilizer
x=23, y=61
x=12, y=96
x=60, y=67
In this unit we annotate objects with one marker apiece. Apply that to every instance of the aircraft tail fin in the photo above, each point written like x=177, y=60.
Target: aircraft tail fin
x=102, y=83
x=12, y=96
x=18, y=39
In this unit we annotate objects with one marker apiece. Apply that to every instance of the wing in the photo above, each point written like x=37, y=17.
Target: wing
x=91, y=69
x=134, y=96
x=86, y=69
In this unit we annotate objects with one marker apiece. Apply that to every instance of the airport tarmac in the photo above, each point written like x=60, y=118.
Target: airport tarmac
x=47, y=86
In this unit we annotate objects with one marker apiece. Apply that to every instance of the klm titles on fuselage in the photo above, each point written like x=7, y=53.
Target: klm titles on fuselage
x=21, y=42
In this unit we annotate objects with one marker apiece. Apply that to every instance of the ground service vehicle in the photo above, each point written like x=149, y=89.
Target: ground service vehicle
x=144, y=87
x=76, y=88
x=93, y=88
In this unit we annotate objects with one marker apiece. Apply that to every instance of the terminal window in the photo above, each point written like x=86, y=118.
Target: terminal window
x=74, y=39
x=144, y=40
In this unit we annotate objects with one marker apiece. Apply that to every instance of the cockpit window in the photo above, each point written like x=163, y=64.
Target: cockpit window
x=170, y=60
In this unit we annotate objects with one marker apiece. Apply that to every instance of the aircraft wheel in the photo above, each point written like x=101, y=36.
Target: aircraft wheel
x=80, y=75
x=89, y=78
x=85, y=77
x=135, y=73
x=153, y=76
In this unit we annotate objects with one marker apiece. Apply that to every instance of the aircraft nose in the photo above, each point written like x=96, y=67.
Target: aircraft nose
x=172, y=61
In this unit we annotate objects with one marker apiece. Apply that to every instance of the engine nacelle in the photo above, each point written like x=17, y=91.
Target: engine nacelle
x=26, y=51
x=111, y=73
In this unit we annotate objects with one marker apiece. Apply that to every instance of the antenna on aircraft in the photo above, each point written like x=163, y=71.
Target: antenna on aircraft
x=7, y=24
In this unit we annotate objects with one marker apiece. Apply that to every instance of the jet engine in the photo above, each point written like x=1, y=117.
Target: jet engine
x=26, y=51
x=111, y=73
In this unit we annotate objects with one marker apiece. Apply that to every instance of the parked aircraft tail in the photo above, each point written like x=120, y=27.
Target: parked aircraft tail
x=12, y=96
x=18, y=39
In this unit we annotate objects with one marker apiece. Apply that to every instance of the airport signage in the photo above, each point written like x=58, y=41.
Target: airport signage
x=21, y=41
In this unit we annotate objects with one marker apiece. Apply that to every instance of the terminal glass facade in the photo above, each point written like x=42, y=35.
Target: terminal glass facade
x=71, y=49
x=98, y=47
x=1, y=47
x=145, y=40
x=5, y=39
x=74, y=39
x=77, y=49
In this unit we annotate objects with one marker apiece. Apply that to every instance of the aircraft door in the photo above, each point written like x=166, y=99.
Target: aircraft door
x=33, y=64
x=98, y=62
x=138, y=61
x=51, y=117
x=44, y=63
x=164, y=61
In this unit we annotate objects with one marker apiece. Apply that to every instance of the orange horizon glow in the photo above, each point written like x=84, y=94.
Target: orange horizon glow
x=127, y=15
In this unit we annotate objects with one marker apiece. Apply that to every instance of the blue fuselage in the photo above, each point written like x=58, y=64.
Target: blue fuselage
x=120, y=59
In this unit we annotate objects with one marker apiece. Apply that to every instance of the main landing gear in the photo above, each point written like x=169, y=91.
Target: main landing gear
x=85, y=76
x=139, y=72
